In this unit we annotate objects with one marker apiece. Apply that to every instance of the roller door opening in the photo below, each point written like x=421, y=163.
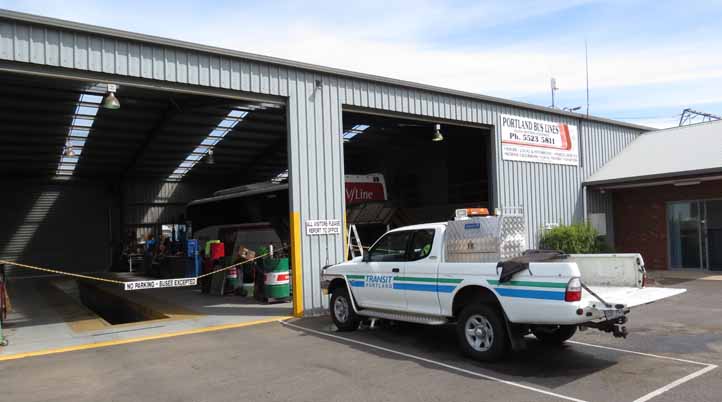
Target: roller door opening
x=97, y=181
x=428, y=169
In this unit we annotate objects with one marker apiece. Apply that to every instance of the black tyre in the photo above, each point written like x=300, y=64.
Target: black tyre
x=342, y=312
x=481, y=333
x=554, y=334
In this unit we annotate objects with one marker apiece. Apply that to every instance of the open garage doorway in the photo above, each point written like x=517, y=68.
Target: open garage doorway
x=426, y=175
x=97, y=180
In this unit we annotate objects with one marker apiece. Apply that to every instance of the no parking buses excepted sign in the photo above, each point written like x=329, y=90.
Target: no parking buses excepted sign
x=161, y=283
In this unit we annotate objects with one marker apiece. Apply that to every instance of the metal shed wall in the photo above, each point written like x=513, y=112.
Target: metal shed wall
x=42, y=225
x=151, y=202
x=550, y=193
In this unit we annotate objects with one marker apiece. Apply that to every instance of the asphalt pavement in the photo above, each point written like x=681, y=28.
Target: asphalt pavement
x=308, y=360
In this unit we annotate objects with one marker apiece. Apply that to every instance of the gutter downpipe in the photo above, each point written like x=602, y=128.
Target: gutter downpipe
x=584, y=202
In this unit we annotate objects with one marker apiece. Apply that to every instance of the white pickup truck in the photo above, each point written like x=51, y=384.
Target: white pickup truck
x=449, y=272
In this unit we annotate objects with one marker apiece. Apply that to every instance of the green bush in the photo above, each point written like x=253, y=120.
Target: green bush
x=579, y=238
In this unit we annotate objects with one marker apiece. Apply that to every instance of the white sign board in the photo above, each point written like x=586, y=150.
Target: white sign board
x=161, y=283
x=323, y=227
x=540, y=141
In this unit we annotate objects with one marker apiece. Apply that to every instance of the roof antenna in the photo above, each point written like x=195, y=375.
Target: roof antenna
x=586, y=66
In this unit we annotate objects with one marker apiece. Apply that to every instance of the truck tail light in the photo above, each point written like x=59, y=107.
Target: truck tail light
x=574, y=290
x=644, y=279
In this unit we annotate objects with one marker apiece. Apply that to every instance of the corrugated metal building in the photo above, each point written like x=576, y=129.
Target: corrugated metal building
x=315, y=99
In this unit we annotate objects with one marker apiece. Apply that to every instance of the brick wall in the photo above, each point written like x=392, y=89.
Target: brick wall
x=640, y=218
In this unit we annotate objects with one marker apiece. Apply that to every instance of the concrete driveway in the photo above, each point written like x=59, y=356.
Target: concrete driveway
x=306, y=360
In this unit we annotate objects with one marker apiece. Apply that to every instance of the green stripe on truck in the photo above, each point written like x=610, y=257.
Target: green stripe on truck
x=432, y=280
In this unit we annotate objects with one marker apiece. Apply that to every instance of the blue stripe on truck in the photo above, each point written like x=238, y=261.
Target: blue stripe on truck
x=424, y=287
x=530, y=294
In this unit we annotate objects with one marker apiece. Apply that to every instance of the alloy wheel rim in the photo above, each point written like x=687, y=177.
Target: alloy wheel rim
x=479, y=333
x=340, y=309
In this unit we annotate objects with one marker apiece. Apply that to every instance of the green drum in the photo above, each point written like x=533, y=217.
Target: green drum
x=276, y=285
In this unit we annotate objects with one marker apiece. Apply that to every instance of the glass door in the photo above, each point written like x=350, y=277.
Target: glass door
x=713, y=234
x=684, y=225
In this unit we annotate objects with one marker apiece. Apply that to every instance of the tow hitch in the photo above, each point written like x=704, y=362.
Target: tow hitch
x=615, y=326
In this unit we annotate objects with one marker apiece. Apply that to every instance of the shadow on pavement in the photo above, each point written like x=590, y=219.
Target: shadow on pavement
x=539, y=365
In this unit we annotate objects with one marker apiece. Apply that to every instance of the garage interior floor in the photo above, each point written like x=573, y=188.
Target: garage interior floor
x=47, y=314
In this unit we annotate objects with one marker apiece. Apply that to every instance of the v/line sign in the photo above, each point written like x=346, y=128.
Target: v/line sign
x=161, y=283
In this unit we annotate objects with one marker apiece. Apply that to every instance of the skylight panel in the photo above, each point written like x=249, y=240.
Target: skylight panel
x=354, y=131
x=79, y=132
x=238, y=114
x=225, y=126
x=80, y=121
x=90, y=98
x=228, y=123
x=86, y=109
x=281, y=177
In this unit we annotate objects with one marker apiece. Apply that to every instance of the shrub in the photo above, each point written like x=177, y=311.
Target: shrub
x=579, y=238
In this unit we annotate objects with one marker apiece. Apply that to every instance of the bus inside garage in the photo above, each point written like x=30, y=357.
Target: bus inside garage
x=427, y=170
x=97, y=180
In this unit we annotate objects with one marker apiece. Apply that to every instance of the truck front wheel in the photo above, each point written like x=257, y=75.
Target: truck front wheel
x=554, y=334
x=342, y=312
x=481, y=332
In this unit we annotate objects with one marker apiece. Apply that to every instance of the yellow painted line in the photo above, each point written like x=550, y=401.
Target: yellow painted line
x=296, y=264
x=97, y=345
x=345, y=237
x=712, y=278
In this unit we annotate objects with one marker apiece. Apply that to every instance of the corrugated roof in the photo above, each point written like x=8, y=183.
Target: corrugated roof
x=679, y=151
x=117, y=33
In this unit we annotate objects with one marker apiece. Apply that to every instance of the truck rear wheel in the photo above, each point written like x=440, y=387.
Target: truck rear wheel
x=554, y=334
x=342, y=312
x=481, y=332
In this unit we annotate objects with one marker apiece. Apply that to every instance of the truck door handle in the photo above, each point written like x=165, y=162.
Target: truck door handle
x=395, y=270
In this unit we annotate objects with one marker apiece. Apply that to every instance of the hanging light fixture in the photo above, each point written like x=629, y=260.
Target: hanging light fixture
x=110, y=101
x=437, y=134
x=69, y=152
x=211, y=160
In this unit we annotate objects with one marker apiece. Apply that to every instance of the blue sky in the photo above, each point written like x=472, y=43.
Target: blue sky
x=648, y=60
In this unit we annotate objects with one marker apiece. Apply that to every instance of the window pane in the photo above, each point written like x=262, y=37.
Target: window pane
x=391, y=247
x=684, y=234
x=422, y=243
